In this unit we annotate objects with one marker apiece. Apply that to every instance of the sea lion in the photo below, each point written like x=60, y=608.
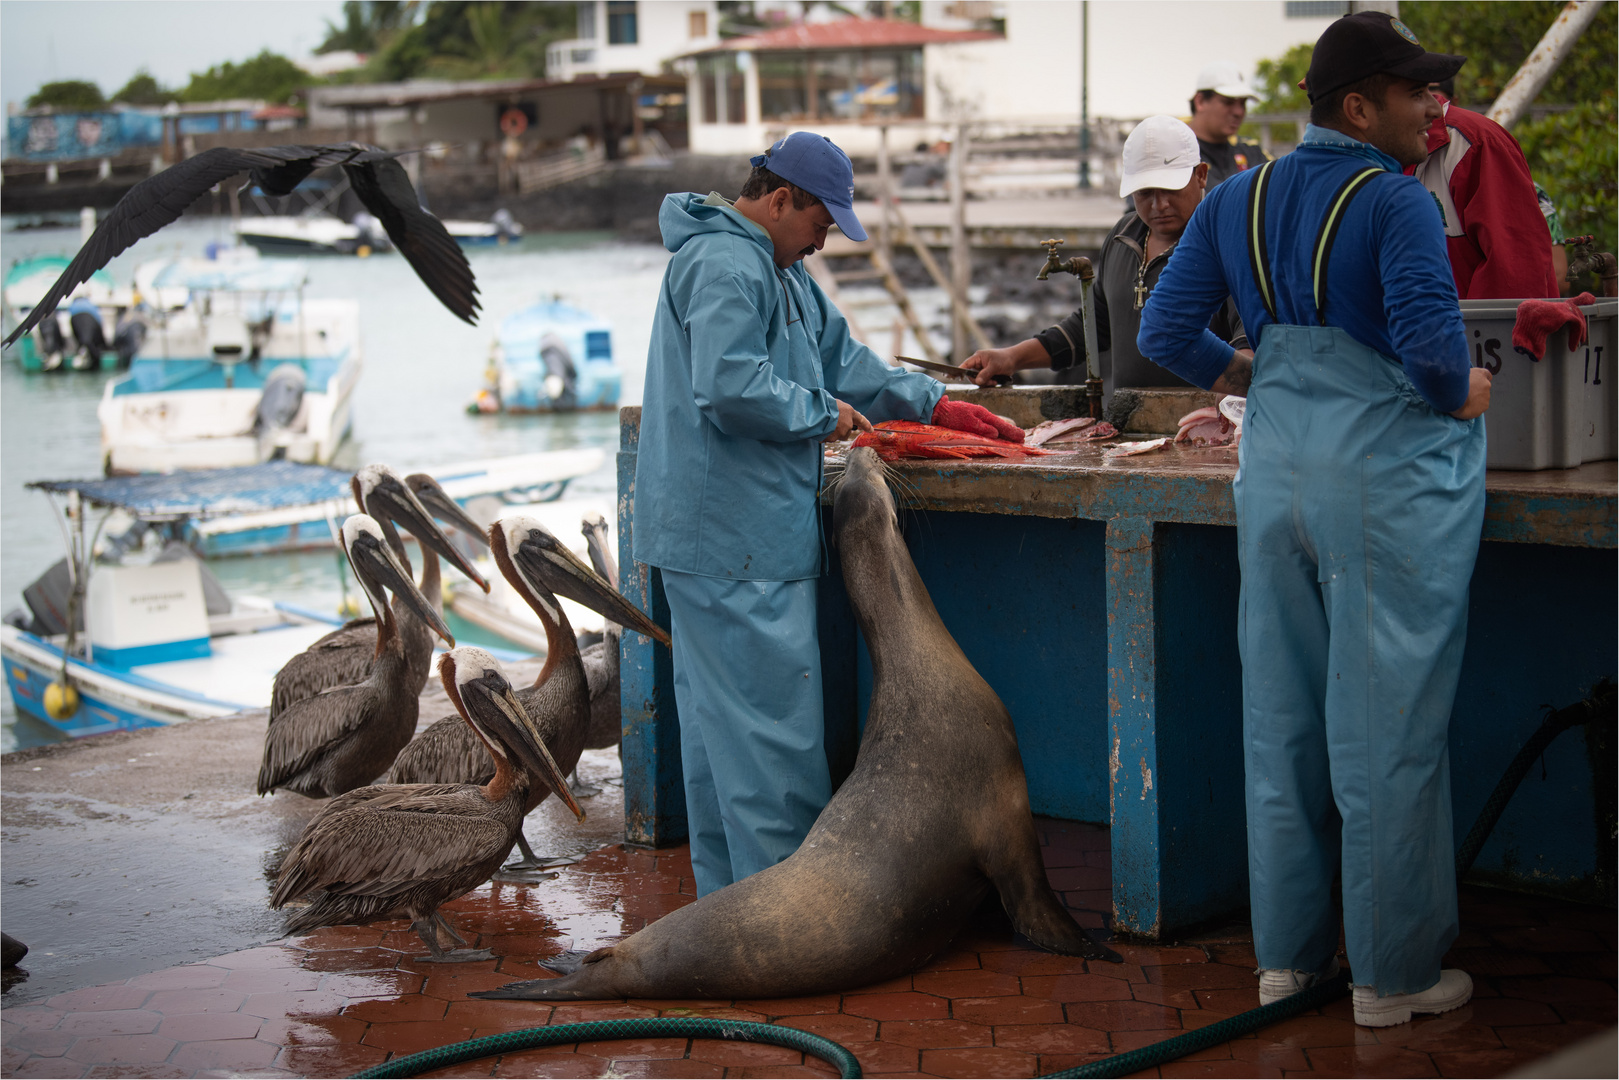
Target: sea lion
x=935, y=812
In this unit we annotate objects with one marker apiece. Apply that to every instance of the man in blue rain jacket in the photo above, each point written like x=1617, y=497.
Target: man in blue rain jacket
x=1360, y=498
x=751, y=368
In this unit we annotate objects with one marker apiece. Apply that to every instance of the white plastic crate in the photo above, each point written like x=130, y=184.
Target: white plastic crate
x=1555, y=413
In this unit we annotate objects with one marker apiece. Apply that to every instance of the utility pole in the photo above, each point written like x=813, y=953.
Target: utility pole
x=1085, y=95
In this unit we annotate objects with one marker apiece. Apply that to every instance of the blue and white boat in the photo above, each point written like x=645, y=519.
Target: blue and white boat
x=501, y=229
x=249, y=370
x=550, y=357
x=50, y=346
x=308, y=521
x=115, y=646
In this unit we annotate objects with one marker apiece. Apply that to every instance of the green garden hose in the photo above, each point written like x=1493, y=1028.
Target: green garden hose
x=677, y=1027
x=1599, y=705
x=1201, y=1039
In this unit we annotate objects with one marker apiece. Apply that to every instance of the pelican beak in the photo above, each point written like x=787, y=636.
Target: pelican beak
x=532, y=749
x=379, y=568
x=565, y=574
x=393, y=500
x=441, y=506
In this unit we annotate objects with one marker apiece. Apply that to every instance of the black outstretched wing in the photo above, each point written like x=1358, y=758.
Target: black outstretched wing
x=159, y=200
x=421, y=238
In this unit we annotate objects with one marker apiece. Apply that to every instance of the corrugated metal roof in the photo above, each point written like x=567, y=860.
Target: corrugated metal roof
x=427, y=91
x=850, y=34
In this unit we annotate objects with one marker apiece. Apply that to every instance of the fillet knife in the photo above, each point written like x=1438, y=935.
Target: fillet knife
x=948, y=369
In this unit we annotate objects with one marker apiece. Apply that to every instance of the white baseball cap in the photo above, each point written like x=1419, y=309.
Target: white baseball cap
x=1160, y=153
x=1224, y=78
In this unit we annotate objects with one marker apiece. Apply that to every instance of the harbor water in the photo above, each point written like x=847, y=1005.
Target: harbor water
x=422, y=366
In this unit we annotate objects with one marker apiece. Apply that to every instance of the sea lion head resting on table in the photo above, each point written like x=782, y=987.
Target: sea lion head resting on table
x=935, y=812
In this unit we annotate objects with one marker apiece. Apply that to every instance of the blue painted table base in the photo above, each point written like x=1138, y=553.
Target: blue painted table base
x=1101, y=603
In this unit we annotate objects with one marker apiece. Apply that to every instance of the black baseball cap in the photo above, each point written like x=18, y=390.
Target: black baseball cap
x=1369, y=42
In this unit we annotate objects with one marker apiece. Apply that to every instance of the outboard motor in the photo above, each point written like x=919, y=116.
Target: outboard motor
x=562, y=377
x=278, y=407
x=128, y=338
x=372, y=234
x=85, y=319
x=506, y=227
x=52, y=344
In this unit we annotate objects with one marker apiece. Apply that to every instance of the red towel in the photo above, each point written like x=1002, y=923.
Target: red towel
x=1539, y=319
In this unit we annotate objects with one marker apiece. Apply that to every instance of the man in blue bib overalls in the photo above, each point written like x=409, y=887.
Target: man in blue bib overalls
x=1359, y=498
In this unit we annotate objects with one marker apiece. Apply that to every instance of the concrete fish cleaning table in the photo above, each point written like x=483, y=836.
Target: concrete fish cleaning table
x=1099, y=600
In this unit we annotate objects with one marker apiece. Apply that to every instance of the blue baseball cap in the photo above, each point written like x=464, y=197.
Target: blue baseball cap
x=814, y=163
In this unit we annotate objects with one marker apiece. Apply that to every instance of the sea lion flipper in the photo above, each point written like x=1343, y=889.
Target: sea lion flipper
x=1038, y=915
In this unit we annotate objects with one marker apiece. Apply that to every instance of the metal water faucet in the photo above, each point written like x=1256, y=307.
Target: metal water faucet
x=1079, y=266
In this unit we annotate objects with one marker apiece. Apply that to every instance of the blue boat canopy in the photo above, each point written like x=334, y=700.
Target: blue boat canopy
x=205, y=493
x=234, y=275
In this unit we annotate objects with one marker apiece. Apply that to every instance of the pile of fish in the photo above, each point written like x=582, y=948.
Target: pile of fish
x=896, y=439
x=1207, y=427
x=1075, y=429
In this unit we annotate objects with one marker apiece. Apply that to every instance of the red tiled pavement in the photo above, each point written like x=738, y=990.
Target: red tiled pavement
x=345, y=998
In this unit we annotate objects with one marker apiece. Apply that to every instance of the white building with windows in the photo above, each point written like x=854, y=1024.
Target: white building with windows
x=615, y=37
x=1007, y=61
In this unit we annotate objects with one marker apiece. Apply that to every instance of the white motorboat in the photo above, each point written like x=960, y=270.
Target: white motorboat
x=249, y=370
x=118, y=646
x=311, y=234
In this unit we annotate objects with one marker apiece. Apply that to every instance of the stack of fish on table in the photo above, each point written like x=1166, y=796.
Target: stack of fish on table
x=895, y=440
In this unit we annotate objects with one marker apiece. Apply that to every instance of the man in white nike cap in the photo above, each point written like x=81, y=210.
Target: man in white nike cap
x=1165, y=178
x=1219, y=104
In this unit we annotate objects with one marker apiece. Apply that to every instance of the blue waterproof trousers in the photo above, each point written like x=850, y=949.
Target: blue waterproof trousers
x=1358, y=516
x=752, y=729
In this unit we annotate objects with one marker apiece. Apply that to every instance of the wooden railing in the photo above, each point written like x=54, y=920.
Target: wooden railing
x=548, y=172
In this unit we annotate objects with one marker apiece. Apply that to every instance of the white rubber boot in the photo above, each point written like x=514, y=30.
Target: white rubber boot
x=1278, y=983
x=1453, y=990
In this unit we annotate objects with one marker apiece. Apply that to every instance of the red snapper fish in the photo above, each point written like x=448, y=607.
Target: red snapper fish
x=895, y=439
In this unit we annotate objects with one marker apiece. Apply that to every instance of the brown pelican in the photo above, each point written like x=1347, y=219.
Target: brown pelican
x=348, y=735
x=541, y=568
x=344, y=656
x=379, y=181
x=410, y=847
x=601, y=659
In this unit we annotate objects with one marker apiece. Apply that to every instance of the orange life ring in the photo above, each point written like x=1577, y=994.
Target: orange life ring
x=513, y=122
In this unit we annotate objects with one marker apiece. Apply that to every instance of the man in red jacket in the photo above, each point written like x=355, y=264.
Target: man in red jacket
x=1496, y=234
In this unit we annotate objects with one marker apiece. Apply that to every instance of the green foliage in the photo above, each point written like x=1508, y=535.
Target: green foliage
x=491, y=39
x=268, y=75
x=76, y=94
x=142, y=89
x=367, y=25
x=1573, y=154
x=1278, y=81
x=1496, y=38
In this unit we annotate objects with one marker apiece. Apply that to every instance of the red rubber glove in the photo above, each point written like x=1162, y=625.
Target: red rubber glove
x=975, y=420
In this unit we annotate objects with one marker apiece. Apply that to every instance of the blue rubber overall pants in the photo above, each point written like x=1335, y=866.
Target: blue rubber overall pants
x=748, y=686
x=1359, y=509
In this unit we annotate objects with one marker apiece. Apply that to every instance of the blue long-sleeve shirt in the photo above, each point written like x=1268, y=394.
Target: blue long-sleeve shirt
x=1389, y=282
x=744, y=374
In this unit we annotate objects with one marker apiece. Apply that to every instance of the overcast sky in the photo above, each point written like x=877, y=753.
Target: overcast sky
x=107, y=41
